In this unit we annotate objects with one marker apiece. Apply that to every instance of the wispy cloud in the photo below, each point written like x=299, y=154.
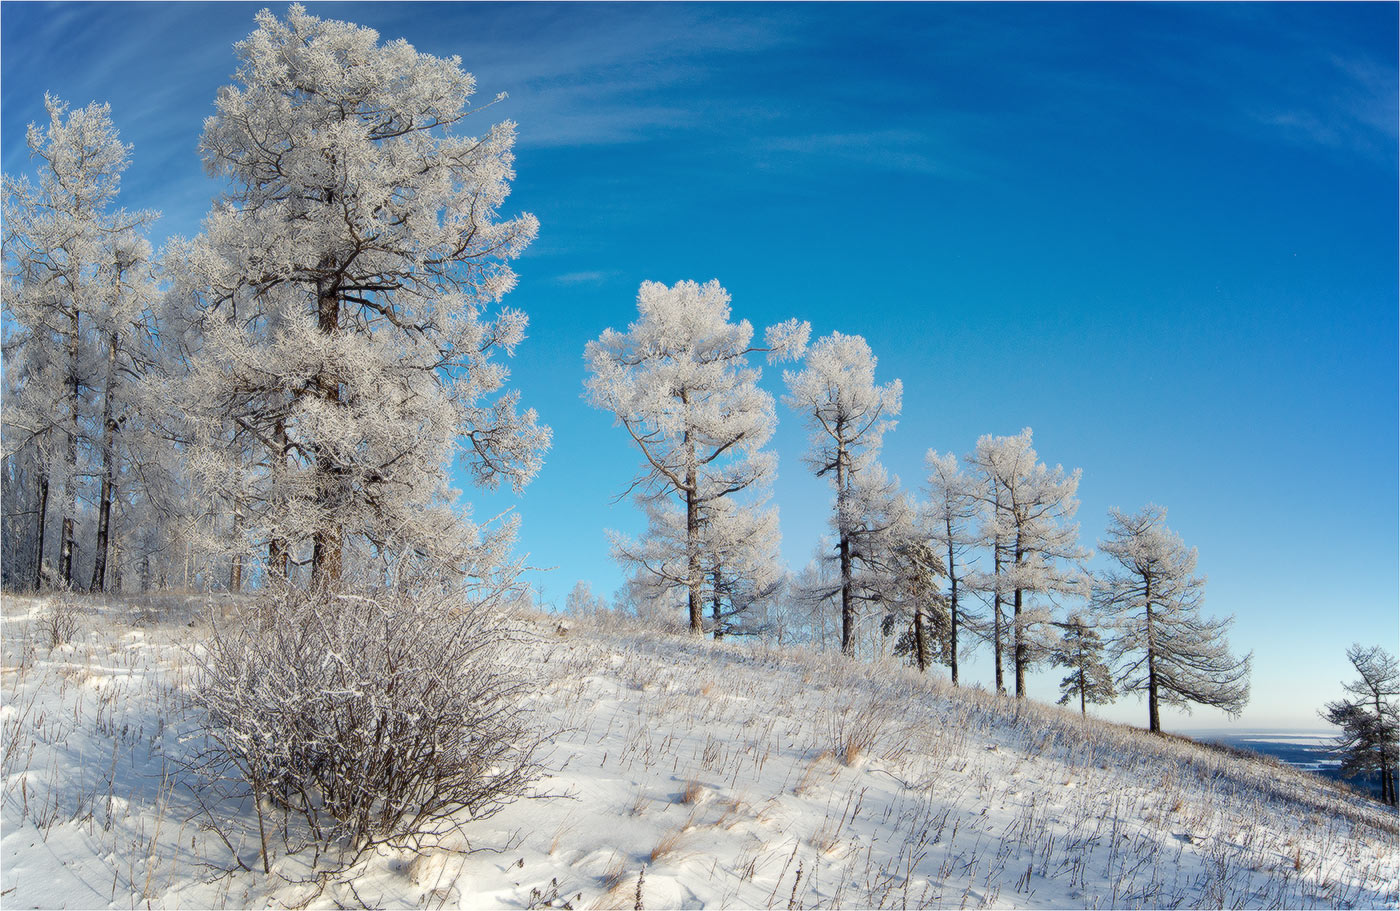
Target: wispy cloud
x=898, y=149
x=590, y=277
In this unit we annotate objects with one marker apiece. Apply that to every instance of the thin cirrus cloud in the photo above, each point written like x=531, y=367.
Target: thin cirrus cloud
x=587, y=277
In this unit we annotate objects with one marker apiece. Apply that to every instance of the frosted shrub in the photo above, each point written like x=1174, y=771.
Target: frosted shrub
x=377, y=718
x=60, y=624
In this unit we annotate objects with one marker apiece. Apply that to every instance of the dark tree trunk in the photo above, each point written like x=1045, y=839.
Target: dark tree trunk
x=1020, y=647
x=692, y=546
x=848, y=608
x=998, y=634
x=66, y=544
x=952, y=608
x=109, y=471
x=43, y=516
x=716, y=610
x=1083, y=710
x=920, y=638
x=1154, y=721
x=1020, y=654
x=327, y=540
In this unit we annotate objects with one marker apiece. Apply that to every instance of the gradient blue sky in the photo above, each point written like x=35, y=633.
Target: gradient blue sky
x=1163, y=236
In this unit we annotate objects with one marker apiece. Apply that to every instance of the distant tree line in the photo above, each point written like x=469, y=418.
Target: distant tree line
x=990, y=555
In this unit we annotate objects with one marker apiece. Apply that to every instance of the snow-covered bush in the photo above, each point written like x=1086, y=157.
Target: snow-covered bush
x=61, y=622
x=378, y=717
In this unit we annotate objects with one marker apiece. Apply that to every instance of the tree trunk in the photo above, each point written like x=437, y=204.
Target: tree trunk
x=115, y=560
x=235, y=572
x=920, y=640
x=716, y=611
x=692, y=547
x=109, y=471
x=1083, y=710
x=998, y=634
x=1154, y=722
x=848, y=609
x=327, y=543
x=277, y=550
x=1020, y=653
x=952, y=608
x=43, y=515
x=70, y=486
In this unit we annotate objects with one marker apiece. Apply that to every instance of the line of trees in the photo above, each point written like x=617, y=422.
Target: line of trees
x=280, y=399
x=991, y=555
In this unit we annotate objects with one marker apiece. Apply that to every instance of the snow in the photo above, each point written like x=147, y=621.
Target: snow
x=727, y=775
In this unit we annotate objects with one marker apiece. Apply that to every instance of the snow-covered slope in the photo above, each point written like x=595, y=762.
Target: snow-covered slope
x=719, y=775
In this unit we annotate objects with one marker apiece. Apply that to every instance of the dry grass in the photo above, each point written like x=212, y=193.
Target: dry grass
x=692, y=793
x=858, y=728
x=806, y=783
x=671, y=841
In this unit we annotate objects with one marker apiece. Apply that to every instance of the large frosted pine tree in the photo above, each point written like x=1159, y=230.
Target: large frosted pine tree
x=338, y=319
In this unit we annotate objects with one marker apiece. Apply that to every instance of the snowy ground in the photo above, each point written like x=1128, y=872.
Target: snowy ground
x=731, y=775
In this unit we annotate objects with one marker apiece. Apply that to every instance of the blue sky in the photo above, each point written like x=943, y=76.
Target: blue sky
x=1163, y=236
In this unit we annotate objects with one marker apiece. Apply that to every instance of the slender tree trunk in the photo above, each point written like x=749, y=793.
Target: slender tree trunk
x=716, y=610
x=43, y=511
x=235, y=572
x=115, y=561
x=1154, y=721
x=1082, y=685
x=109, y=471
x=327, y=540
x=277, y=550
x=848, y=610
x=998, y=634
x=692, y=546
x=1020, y=654
x=920, y=639
x=953, y=607
x=66, y=544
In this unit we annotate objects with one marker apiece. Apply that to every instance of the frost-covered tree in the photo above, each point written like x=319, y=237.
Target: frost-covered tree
x=339, y=315
x=848, y=414
x=581, y=602
x=1027, y=512
x=917, y=569
x=76, y=276
x=1369, y=742
x=1164, y=647
x=948, y=521
x=743, y=565
x=681, y=382
x=1081, y=650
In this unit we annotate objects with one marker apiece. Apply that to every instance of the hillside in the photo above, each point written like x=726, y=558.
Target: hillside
x=734, y=775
